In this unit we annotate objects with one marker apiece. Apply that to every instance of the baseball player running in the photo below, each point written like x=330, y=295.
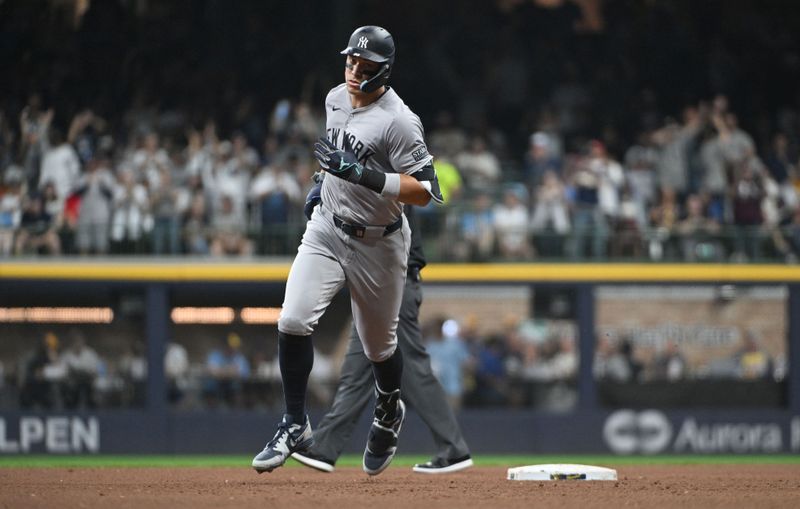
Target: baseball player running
x=376, y=152
x=420, y=387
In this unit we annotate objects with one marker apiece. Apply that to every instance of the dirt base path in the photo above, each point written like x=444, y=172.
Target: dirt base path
x=480, y=487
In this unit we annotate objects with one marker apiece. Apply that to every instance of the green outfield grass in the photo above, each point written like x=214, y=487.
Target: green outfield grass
x=208, y=461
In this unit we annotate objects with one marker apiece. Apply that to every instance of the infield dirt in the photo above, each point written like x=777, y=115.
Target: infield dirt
x=705, y=486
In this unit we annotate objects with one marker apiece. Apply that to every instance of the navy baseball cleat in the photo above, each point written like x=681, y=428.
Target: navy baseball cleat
x=311, y=459
x=289, y=438
x=382, y=441
x=443, y=466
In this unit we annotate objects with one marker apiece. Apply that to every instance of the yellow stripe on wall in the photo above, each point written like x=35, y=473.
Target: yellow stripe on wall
x=611, y=272
x=145, y=272
x=278, y=272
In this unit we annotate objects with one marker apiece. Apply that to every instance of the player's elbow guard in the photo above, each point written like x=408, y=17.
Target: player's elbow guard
x=313, y=198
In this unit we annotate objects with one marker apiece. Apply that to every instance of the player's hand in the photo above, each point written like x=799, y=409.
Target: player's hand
x=313, y=198
x=340, y=163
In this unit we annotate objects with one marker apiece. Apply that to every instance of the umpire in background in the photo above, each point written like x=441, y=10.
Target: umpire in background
x=420, y=387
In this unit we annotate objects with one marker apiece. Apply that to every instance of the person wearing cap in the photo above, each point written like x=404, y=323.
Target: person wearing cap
x=227, y=367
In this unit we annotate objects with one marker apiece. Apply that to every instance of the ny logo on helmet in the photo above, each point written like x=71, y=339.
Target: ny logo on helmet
x=362, y=42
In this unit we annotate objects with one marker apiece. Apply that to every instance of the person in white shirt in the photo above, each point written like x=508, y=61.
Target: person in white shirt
x=176, y=367
x=479, y=167
x=60, y=166
x=511, y=220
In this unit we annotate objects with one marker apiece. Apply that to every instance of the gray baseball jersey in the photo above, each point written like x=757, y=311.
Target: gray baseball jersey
x=385, y=136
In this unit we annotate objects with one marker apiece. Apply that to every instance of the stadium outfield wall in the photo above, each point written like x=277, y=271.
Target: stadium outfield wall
x=650, y=427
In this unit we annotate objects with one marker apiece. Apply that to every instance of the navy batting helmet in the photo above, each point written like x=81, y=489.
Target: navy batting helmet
x=375, y=44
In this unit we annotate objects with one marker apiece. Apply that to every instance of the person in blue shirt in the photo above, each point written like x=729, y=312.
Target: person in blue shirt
x=227, y=368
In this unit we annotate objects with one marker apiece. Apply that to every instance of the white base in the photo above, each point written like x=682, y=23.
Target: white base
x=561, y=472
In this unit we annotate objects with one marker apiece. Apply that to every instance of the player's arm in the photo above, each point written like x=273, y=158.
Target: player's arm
x=344, y=165
x=406, y=149
x=412, y=191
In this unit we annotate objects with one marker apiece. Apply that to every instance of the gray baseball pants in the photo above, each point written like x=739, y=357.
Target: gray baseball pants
x=420, y=389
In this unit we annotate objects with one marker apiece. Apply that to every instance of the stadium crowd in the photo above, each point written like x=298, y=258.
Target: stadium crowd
x=570, y=130
x=521, y=363
x=694, y=189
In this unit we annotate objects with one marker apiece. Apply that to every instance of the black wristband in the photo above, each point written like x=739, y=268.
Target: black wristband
x=373, y=179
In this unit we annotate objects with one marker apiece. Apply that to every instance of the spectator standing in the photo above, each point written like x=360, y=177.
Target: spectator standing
x=479, y=167
x=748, y=193
x=675, y=139
x=84, y=134
x=736, y=145
x=782, y=158
x=550, y=215
x=150, y=161
x=196, y=226
x=198, y=154
x=274, y=193
x=60, y=166
x=34, y=139
x=234, y=174
x=640, y=163
x=611, y=179
x=512, y=222
x=475, y=239
x=542, y=157
x=715, y=178
x=131, y=219
x=96, y=189
x=664, y=215
x=589, y=222
x=449, y=358
x=168, y=201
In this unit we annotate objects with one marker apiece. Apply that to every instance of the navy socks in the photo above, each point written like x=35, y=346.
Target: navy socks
x=296, y=357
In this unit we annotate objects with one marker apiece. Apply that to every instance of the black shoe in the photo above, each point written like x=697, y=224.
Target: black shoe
x=442, y=466
x=313, y=460
x=382, y=441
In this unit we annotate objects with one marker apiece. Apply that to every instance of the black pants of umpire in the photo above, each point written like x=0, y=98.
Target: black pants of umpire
x=420, y=389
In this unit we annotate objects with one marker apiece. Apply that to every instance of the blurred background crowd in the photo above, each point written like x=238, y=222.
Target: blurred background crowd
x=519, y=363
x=561, y=129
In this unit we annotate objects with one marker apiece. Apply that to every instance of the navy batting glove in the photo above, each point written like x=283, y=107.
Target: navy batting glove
x=340, y=163
x=313, y=198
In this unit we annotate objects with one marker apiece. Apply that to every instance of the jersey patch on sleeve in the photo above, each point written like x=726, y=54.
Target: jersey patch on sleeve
x=420, y=154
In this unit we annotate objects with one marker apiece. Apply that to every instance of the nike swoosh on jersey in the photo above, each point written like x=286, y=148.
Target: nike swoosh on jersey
x=334, y=108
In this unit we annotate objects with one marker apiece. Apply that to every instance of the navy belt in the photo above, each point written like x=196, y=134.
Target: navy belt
x=359, y=230
x=413, y=274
